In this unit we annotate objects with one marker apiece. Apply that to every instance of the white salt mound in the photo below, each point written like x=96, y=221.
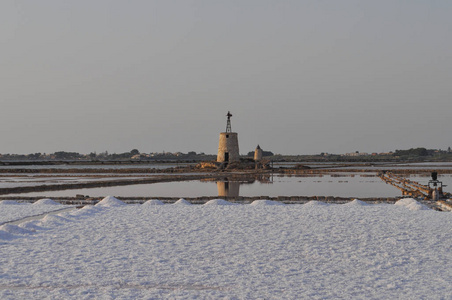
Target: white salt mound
x=14, y=229
x=356, y=202
x=87, y=207
x=315, y=203
x=53, y=219
x=265, y=202
x=85, y=210
x=218, y=202
x=411, y=204
x=9, y=202
x=6, y=236
x=182, y=201
x=32, y=225
x=153, y=202
x=110, y=201
x=46, y=201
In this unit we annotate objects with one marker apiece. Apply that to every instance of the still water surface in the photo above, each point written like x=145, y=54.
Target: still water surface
x=345, y=185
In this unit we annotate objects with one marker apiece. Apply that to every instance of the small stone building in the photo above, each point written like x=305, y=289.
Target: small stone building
x=258, y=153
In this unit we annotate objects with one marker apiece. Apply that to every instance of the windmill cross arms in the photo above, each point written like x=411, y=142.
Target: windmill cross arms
x=228, y=123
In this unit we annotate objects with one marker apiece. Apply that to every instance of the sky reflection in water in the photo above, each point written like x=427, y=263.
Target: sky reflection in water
x=338, y=185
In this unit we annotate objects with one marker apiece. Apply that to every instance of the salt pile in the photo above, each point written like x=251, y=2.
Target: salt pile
x=153, y=202
x=215, y=202
x=357, y=202
x=52, y=220
x=265, y=203
x=14, y=229
x=32, y=226
x=5, y=236
x=411, y=204
x=315, y=203
x=110, y=201
x=182, y=201
x=9, y=202
x=46, y=201
x=13, y=212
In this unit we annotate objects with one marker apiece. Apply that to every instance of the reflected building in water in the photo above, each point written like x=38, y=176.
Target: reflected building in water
x=231, y=188
x=228, y=189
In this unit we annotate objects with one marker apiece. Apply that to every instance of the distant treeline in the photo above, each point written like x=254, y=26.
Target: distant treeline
x=413, y=154
x=423, y=153
x=105, y=156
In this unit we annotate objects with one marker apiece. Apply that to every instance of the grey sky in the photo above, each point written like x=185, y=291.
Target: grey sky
x=300, y=77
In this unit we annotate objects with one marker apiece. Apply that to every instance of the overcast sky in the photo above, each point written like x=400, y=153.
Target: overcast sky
x=299, y=77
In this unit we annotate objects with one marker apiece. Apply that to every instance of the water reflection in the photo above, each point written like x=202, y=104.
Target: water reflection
x=229, y=187
x=337, y=185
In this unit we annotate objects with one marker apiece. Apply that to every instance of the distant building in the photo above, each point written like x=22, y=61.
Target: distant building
x=356, y=154
x=258, y=153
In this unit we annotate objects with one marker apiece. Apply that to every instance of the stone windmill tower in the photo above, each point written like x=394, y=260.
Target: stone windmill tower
x=228, y=147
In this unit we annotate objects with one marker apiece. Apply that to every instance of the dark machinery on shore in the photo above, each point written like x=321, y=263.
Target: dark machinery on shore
x=432, y=191
x=435, y=187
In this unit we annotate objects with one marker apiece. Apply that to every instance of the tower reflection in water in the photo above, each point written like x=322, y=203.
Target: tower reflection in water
x=231, y=188
x=228, y=189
